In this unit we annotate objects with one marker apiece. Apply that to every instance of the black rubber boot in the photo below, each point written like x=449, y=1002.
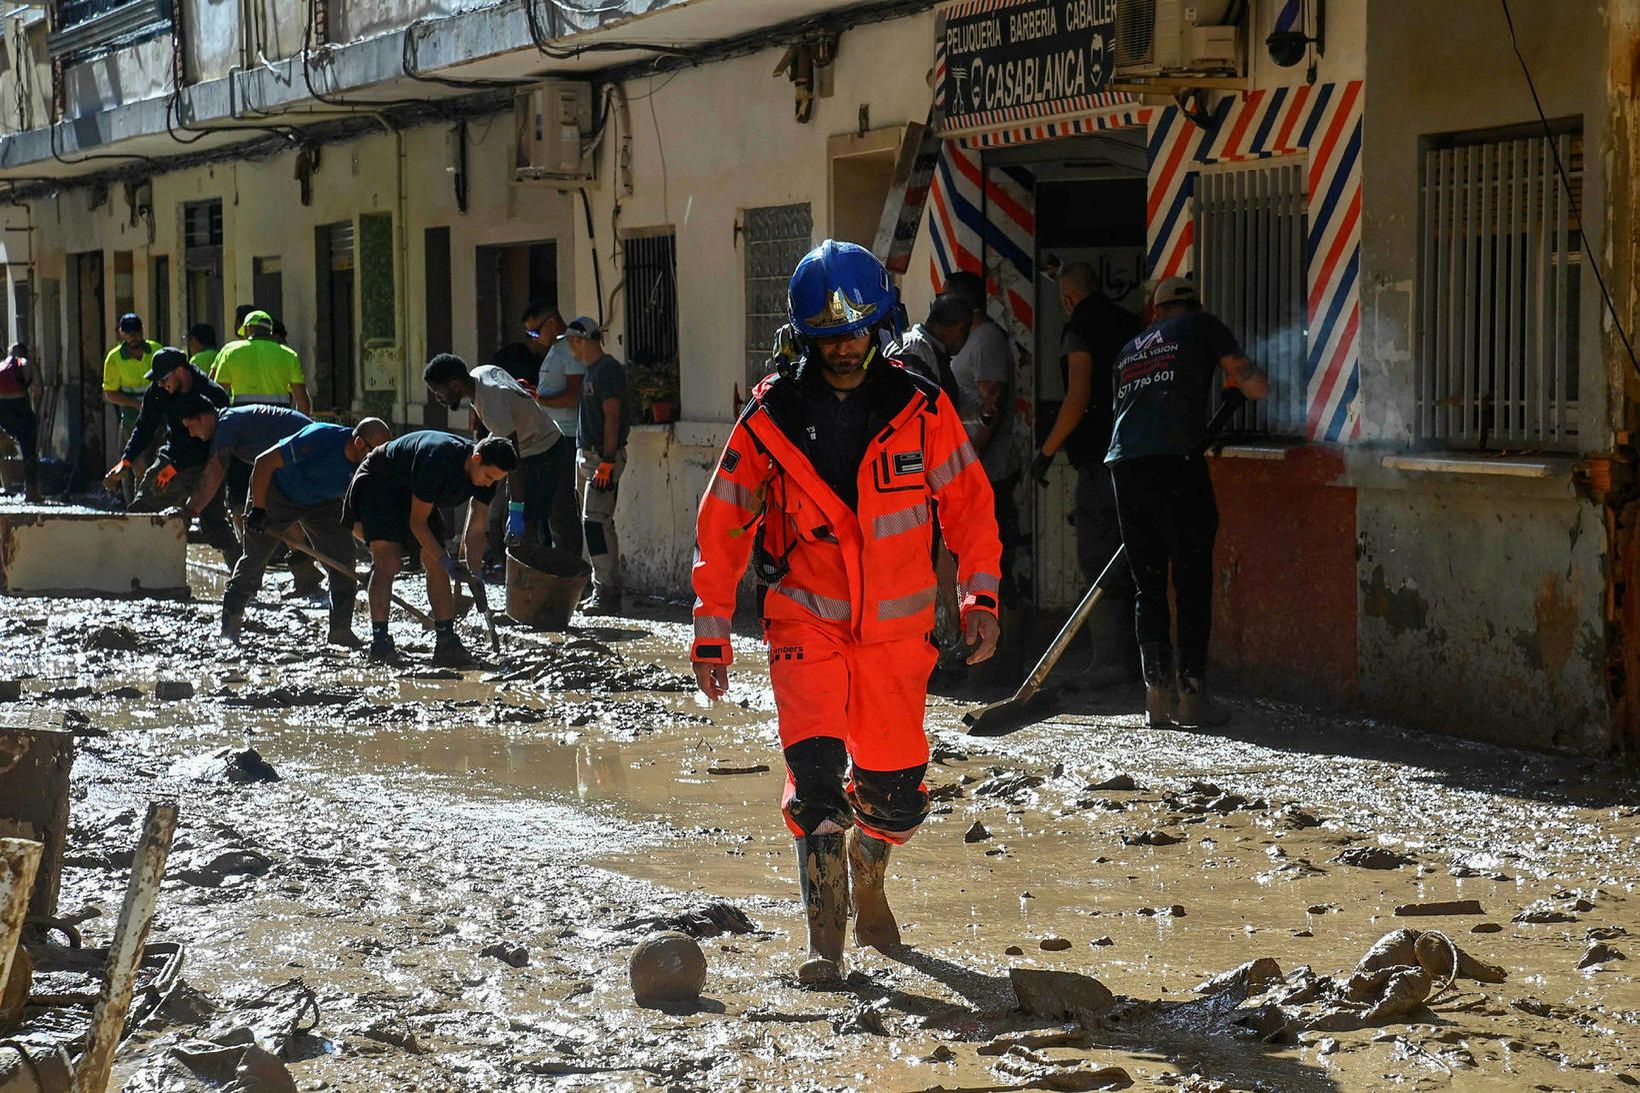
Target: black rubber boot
x=341, y=629
x=233, y=616
x=1156, y=662
x=31, y=481
x=822, y=871
x=874, y=923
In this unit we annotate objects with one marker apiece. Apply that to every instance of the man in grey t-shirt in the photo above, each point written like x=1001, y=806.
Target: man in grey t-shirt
x=506, y=409
x=558, y=388
x=606, y=419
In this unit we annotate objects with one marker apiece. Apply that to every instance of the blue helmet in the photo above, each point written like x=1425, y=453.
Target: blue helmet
x=839, y=289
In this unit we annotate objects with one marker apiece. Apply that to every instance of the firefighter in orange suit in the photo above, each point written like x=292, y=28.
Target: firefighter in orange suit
x=843, y=457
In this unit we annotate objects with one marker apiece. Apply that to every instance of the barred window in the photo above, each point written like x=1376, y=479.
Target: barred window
x=776, y=239
x=1499, y=273
x=1251, y=272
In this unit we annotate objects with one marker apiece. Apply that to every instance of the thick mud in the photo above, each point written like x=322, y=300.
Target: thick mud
x=438, y=883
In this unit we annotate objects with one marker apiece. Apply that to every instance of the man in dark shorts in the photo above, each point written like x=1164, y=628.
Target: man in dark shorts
x=392, y=505
x=1164, y=495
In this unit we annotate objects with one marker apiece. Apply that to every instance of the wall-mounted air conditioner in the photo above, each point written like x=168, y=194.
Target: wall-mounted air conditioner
x=1177, y=38
x=554, y=124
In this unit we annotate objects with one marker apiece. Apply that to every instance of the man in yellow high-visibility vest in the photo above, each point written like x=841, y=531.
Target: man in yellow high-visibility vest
x=125, y=380
x=260, y=369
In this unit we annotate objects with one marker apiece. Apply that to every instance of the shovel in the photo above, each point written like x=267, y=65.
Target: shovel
x=999, y=717
x=481, y=596
x=328, y=562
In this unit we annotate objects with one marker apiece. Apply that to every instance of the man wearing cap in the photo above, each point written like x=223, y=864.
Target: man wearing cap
x=1095, y=331
x=261, y=370
x=558, y=387
x=177, y=469
x=605, y=421
x=125, y=378
x=1164, y=496
x=504, y=408
x=300, y=481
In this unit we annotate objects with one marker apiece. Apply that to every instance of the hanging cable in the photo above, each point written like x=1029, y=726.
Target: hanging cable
x=1566, y=184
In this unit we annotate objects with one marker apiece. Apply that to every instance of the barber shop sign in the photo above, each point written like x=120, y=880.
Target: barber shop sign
x=1012, y=61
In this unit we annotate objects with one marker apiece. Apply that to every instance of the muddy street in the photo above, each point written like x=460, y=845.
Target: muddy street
x=443, y=885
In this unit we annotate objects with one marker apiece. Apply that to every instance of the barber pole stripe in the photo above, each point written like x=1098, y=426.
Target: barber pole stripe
x=1324, y=122
x=1287, y=16
x=977, y=214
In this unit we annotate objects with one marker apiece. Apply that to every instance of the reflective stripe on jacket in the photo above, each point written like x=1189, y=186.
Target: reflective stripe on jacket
x=870, y=571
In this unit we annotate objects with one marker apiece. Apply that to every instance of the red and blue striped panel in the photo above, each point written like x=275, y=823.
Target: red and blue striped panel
x=1324, y=121
x=985, y=222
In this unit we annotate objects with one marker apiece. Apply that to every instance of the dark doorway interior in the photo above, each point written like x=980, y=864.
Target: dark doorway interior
x=336, y=347
x=87, y=442
x=439, y=305
x=509, y=277
x=268, y=285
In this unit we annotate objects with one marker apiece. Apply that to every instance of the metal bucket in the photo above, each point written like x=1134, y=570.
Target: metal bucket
x=544, y=585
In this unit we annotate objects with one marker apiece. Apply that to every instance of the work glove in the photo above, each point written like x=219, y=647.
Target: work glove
x=454, y=569
x=515, y=520
x=604, y=478
x=256, y=520
x=1039, y=467
x=163, y=478
x=115, y=473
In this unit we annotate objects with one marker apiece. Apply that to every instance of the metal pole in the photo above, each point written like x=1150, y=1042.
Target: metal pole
x=125, y=952
x=19, y=861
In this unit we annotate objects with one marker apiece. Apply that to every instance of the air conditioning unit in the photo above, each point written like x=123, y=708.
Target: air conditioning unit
x=554, y=123
x=1176, y=37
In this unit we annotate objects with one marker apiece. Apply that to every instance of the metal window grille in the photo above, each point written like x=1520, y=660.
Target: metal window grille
x=202, y=224
x=776, y=238
x=1498, y=291
x=1251, y=270
x=652, y=299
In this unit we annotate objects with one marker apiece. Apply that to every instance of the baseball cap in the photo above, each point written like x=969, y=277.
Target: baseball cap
x=584, y=327
x=130, y=321
x=256, y=318
x=166, y=361
x=1174, y=290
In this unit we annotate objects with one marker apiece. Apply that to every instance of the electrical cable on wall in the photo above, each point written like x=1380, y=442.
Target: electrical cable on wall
x=1566, y=184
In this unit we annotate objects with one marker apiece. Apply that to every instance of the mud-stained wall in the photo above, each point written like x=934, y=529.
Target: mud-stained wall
x=1416, y=53
x=1284, y=602
x=1480, y=609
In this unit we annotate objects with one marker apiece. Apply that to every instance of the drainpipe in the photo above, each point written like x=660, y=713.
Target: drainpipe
x=1610, y=479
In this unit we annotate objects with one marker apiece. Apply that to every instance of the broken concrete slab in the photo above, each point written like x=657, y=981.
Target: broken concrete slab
x=47, y=550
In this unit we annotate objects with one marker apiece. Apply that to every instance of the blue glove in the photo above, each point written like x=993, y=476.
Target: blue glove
x=456, y=571
x=515, y=519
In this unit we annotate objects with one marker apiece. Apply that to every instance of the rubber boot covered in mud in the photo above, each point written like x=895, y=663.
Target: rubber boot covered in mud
x=822, y=865
x=1156, y=661
x=341, y=629
x=874, y=923
x=31, y=480
x=233, y=616
x=1196, y=710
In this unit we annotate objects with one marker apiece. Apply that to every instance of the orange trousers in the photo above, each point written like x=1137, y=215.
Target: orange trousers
x=851, y=728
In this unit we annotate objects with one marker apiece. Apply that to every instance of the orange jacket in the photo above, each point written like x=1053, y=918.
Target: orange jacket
x=868, y=571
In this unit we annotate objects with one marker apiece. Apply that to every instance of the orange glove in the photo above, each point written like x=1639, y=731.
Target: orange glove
x=604, y=479
x=163, y=478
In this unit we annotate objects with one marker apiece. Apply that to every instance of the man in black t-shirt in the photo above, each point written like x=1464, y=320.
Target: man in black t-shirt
x=1095, y=331
x=1164, y=495
x=392, y=505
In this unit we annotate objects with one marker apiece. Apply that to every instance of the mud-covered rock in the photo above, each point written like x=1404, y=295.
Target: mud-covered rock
x=1152, y=838
x=173, y=690
x=1059, y=995
x=241, y=766
x=514, y=956
x=667, y=967
x=117, y=638
x=1250, y=979
x=706, y=920
x=1600, y=953
x=1372, y=857
x=977, y=833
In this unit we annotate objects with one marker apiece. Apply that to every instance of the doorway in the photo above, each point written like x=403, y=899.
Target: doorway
x=1090, y=202
x=91, y=442
x=509, y=277
x=334, y=359
x=268, y=286
x=202, y=262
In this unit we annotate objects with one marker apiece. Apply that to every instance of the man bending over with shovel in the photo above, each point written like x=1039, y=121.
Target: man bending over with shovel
x=392, y=504
x=841, y=458
x=300, y=481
